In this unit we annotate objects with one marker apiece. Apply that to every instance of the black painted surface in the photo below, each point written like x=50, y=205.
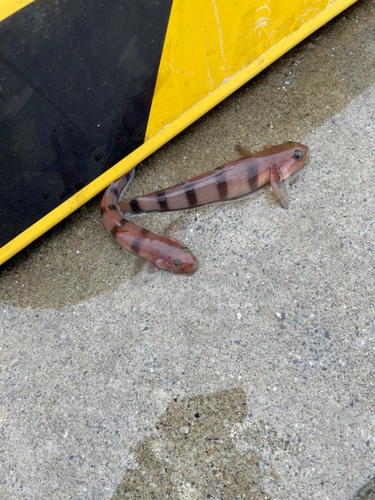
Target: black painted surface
x=76, y=85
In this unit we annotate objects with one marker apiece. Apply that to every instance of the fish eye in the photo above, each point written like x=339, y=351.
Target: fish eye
x=177, y=263
x=297, y=154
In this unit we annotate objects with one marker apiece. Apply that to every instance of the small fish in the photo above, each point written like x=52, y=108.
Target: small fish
x=165, y=252
x=233, y=180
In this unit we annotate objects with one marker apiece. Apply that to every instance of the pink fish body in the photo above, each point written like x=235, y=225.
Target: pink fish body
x=233, y=180
x=165, y=253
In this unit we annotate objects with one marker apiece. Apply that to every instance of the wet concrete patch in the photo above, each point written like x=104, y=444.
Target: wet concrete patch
x=78, y=260
x=65, y=265
x=205, y=446
x=367, y=492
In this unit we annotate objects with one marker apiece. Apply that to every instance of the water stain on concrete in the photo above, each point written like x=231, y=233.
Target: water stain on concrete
x=367, y=492
x=77, y=259
x=73, y=261
x=205, y=446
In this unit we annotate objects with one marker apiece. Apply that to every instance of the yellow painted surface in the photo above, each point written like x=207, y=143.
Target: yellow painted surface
x=209, y=41
x=313, y=20
x=9, y=7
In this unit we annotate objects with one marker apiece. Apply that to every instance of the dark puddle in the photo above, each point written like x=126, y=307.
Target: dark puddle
x=290, y=99
x=367, y=492
x=204, y=447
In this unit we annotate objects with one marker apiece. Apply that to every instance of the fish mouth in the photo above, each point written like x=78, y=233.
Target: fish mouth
x=193, y=268
x=307, y=155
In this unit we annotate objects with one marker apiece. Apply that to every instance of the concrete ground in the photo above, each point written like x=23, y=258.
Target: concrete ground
x=251, y=379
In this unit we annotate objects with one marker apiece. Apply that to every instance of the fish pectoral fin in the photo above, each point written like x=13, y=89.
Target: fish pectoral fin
x=148, y=268
x=279, y=188
x=167, y=234
x=171, y=238
x=173, y=228
x=242, y=151
x=141, y=276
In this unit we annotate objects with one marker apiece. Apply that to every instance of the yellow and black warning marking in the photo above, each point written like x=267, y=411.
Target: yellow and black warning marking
x=89, y=89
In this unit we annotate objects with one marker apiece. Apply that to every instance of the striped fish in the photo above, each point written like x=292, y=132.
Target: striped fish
x=233, y=180
x=164, y=252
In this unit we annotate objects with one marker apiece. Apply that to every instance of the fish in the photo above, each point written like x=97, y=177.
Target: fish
x=238, y=178
x=233, y=180
x=165, y=252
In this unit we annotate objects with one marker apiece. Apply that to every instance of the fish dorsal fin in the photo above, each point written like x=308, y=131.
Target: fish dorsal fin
x=242, y=151
x=268, y=146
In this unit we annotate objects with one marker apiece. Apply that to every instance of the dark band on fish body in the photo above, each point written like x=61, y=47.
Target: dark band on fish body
x=134, y=206
x=222, y=186
x=103, y=209
x=143, y=233
x=112, y=207
x=191, y=196
x=253, y=177
x=162, y=200
x=114, y=191
x=136, y=245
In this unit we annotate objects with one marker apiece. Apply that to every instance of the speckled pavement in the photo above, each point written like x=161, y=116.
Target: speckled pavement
x=251, y=379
